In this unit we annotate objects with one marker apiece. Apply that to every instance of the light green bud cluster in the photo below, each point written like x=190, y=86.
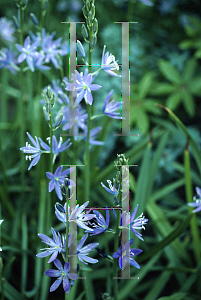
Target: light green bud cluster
x=89, y=32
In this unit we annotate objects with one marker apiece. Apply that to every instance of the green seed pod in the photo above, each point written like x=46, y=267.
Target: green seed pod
x=84, y=32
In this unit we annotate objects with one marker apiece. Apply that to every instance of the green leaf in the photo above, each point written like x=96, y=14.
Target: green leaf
x=189, y=105
x=167, y=240
x=177, y=296
x=185, y=44
x=195, y=86
x=145, y=84
x=163, y=88
x=142, y=121
x=149, y=106
x=169, y=71
x=189, y=69
x=174, y=100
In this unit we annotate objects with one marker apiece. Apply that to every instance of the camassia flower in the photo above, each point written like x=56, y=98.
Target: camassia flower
x=63, y=275
x=100, y=225
x=109, y=108
x=77, y=215
x=108, y=63
x=27, y=52
x=83, y=252
x=197, y=200
x=83, y=85
x=57, y=179
x=111, y=188
x=56, y=246
x=125, y=254
x=35, y=151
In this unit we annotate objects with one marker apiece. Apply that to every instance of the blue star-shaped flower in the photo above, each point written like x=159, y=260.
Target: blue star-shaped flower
x=83, y=85
x=108, y=63
x=83, y=253
x=27, y=52
x=125, y=254
x=56, y=246
x=110, y=108
x=57, y=179
x=100, y=225
x=63, y=275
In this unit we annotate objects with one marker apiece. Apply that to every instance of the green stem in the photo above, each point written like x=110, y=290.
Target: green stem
x=116, y=245
x=87, y=158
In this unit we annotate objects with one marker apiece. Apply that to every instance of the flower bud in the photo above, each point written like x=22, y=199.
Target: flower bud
x=93, y=10
x=87, y=5
x=85, y=13
x=80, y=49
x=58, y=121
x=63, y=189
x=93, y=40
x=84, y=32
x=67, y=182
x=46, y=115
x=90, y=17
x=16, y=22
x=49, y=92
x=34, y=19
x=95, y=26
x=60, y=208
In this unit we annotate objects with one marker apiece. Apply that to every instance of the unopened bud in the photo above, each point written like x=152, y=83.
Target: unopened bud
x=84, y=32
x=93, y=10
x=49, y=92
x=93, y=41
x=90, y=17
x=95, y=26
x=46, y=115
x=80, y=49
x=85, y=13
x=87, y=5
x=16, y=22
x=63, y=189
x=58, y=121
x=60, y=208
x=34, y=19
